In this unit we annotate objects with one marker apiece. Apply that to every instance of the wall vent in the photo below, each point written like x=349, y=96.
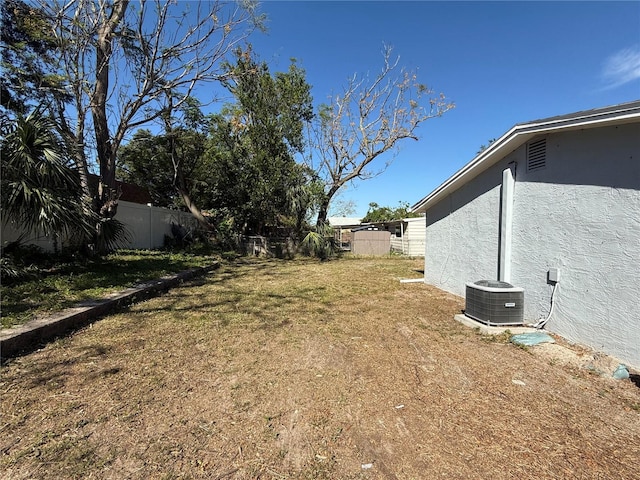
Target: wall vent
x=537, y=155
x=495, y=303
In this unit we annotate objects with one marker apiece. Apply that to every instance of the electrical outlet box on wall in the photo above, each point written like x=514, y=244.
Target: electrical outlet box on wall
x=553, y=275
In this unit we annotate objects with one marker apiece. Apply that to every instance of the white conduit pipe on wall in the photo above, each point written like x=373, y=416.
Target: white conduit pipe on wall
x=506, y=222
x=543, y=321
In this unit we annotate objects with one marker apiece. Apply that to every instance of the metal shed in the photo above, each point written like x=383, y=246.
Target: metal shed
x=370, y=241
x=407, y=235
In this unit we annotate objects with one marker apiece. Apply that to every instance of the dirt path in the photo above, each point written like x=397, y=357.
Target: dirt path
x=306, y=370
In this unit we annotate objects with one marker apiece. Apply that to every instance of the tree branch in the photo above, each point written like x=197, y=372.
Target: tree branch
x=369, y=120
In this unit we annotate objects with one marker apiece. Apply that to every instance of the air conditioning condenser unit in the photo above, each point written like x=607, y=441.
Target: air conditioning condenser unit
x=495, y=303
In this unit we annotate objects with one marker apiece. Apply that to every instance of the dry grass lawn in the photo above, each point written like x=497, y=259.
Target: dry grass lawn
x=303, y=370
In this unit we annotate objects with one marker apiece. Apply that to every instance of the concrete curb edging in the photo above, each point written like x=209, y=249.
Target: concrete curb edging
x=31, y=335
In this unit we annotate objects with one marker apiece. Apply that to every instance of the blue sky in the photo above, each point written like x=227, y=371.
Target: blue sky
x=502, y=63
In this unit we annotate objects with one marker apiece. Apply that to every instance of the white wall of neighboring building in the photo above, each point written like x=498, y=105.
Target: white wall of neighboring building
x=579, y=214
x=147, y=226
x=412, y=241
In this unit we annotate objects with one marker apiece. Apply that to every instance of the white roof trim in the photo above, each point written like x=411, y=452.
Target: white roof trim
x=520, y=134
x=343, y=221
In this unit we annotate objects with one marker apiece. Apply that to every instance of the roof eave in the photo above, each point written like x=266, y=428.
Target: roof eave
x=520, y=134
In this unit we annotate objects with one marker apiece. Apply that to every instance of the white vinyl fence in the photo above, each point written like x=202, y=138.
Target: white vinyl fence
x=146, y=225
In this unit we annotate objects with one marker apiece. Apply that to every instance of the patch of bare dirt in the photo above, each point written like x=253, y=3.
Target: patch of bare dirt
x=304, y=370
x=579, y=356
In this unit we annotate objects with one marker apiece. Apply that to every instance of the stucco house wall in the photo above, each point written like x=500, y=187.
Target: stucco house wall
x=462, y=234
x=579, y=214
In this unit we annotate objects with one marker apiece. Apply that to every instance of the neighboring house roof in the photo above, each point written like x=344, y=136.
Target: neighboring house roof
x=366, y=227
x=134, y=193
x=397, y=221
x=522, y=133
x=128, y=191
x=344, y=221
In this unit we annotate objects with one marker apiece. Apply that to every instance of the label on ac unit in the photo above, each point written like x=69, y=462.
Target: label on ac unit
x=510, y=304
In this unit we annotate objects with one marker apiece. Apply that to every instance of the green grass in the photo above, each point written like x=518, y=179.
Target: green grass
x=75, y=282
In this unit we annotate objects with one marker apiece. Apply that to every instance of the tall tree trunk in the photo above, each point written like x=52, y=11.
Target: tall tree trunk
x=107, y=193
x=74, y=141
x=324, y=205
x=194, y=209
x=322, y=212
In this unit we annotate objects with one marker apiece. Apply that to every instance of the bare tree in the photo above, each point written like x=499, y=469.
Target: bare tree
x=366, y=121
x=122, y=59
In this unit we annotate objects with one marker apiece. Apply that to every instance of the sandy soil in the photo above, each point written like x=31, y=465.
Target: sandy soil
x=304, y=370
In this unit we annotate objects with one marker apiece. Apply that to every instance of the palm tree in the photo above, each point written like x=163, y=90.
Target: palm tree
x=41, y=192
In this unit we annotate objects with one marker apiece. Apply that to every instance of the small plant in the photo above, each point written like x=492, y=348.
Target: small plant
x=504, y=337
x=23, y=262
x=320, y=243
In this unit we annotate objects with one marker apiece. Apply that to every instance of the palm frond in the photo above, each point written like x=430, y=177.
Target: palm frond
x=40, y=191
x=112, y=234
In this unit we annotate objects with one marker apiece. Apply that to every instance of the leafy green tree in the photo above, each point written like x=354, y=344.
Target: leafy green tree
x=254, y=174
x=144, y=160
x=27, y=58
x=376, y=213
x=169, y=165
x=185, y=147
x=247, y=175
x=227, y=173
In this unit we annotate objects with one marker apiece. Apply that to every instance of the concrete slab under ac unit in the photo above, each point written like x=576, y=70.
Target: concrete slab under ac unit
x=491, y=330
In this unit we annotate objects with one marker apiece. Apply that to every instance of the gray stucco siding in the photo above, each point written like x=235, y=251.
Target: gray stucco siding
x=581, y=214
x=463, y=232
